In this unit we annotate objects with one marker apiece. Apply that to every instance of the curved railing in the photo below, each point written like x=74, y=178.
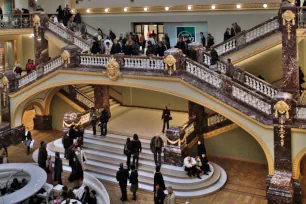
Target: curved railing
x=12, y=136
x=249, y=36
x=37, y=181
x=75, y=95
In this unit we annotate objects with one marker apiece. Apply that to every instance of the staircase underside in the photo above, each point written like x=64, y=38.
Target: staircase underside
x=104, y=155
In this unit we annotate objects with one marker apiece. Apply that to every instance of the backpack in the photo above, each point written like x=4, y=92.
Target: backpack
x=126, y=150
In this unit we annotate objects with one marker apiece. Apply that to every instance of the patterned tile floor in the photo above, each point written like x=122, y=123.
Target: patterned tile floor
x=246, y=181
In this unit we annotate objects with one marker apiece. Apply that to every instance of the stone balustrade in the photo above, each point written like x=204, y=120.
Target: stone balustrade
x=301, y=113
x=85, y=118
x=261, y=30
x=203, y=73
x=251, y=99
x=227, y=46
x=155, y=63
x=52, y=65
x=215, y=119
x=27, y=79
x=221, y=67
x=259, y=85
x=58, y=30
x=81, y=44
x=249, y=36
x=83, y=99
x=94, y=60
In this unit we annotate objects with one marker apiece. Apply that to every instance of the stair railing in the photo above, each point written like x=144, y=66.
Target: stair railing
x=249, y=36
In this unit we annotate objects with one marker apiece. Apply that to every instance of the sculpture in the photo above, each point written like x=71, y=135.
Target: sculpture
x=113, y=69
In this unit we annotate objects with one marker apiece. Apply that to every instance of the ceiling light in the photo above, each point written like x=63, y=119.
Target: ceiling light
x=106, y=10
x=167, y=8
x=265, y=5
x=213, y=7
x=145, y=9
x=189, y=7
x=125, y=9
x=238, y=6
x=88, y=10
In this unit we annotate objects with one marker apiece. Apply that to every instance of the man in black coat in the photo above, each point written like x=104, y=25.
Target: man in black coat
x=160, y=50
x=122, y=177
x=166, y=116
x=156, y=146
x=214, y=57
x=180, y=44
x=159, y=195
x=67, y=142
x=201, y=148
x=104, y=120
x=42, y=155
x=116, y=48
x=203, y=39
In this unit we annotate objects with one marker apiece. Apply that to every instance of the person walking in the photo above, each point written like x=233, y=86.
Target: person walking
x=203, y=39
x=58, y=169
x=227, y=34
x=134, y=181
x=104, y=120
x=78, y=21
x=201, y=148
x=166, y=117
x=159, y=195
x=159, y=179
x=60, y=13
x=136, y=149
x=67, y=142
x=28, y=140
x=210, y=40
x=167, y=40
x=42, y=155
x=122, y=177
x=128, y=151
x=156, y=146
x=171, y=196
x=49, y=170
x=93, y=119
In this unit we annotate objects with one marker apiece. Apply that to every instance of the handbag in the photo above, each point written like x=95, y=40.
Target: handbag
x=170, y=117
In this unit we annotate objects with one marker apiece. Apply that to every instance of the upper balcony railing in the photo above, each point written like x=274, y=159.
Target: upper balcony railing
x=249, y=36
x=16, y=20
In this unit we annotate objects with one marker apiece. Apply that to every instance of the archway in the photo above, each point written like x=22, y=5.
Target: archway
x=30, y=111
x=299, y=171
x=170, y=86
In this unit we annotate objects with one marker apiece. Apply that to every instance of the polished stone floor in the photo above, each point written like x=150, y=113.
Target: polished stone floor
x=246, y=181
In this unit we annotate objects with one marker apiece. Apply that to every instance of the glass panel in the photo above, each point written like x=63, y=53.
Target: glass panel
x=160, y=28
x=138, y=28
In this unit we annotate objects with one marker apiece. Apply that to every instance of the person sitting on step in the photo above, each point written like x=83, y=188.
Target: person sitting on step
x=190, y=167
x=199, y=165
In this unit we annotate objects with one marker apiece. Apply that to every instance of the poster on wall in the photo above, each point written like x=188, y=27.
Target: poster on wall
x=186, y=31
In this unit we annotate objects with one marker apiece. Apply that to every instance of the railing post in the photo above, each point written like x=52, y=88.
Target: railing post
x=280, y=187
x=180, y=59
x=74, y=52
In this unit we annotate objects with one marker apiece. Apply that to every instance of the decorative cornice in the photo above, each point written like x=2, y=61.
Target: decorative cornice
x=180, y=8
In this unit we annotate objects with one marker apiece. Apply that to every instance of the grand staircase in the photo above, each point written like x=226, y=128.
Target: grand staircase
x=104, y=155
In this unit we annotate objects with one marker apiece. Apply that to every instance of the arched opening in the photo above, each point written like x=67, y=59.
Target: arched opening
x=303, y=177
x=30, y=111
x=185, y=92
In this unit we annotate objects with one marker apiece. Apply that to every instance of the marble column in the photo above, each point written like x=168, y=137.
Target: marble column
x=40, y=43
x=101, y=95
x=288, y=25
x=198, y=112
x=279, y=185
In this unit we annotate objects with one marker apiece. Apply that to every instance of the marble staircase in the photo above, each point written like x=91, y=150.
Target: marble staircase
x=104, y=155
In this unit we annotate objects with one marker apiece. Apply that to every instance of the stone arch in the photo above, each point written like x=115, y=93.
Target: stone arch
x=37, y=105
x=49, y=98
x=296, y=165
x=261, y=142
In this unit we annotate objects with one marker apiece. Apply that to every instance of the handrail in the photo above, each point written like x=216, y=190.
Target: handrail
x=250, y=80
x=95, y=29
x=248, y=36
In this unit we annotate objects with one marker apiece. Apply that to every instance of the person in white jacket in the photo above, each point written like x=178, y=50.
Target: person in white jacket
x=171, y=196
x=190, y=167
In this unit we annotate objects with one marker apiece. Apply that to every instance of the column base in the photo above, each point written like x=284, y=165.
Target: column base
x=279, y=190
x=42, y=122
x=174, y=155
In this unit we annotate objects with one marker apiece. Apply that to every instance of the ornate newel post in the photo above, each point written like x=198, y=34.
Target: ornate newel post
x=174, y=61
x=288, y=27
x=279, y=188
x=70, y=56
x=176, y=147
